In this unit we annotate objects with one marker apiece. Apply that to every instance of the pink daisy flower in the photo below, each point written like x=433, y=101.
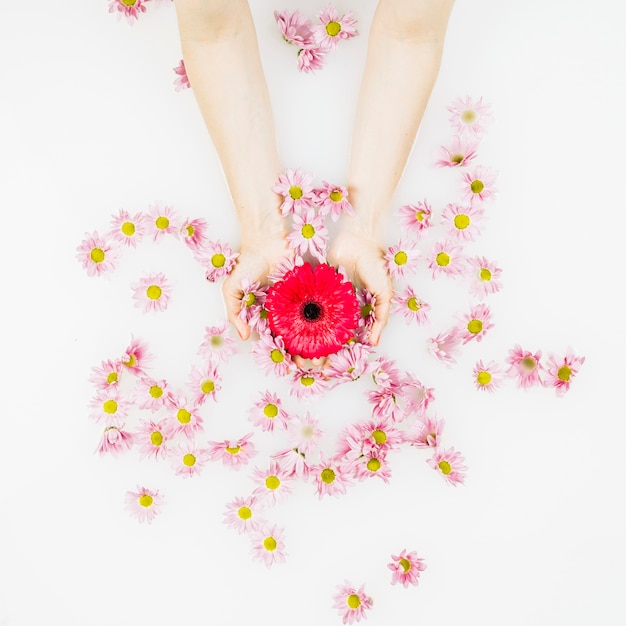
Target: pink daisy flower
x=204, y=382
x=329, y=477
x=151, y=394
x=333, y=200
x=350, y=445
x=406, y=568
x=294, y=462
x=386, y=374
x=151, y=439
x=334, y=28
x=217, y=343
x=384, y=402
x=478, y=186
x=114, y=440
x=410, y=305
x=274, y=483
x=525, y=366
x=306, y=383
x=183, y=417
x=270, y=354
x=296, y=189
x=97, y=255
x=459, y=154
x=218, y=260
x=188, y=459
x=462, y=222
x=294, y=27
x=130, y=9
x=144, y=504
x=283, y=267
x=309, y=234
x=108, y=407
x=107, y=375
x=252, y=299
x=193, y=232
x=470, y=116
x=311, y=59
x=304, y=433
x=378, y=437
x=367, y=314
x=181, y=82
x=241, y=515
x=373, y=464
x=561, y=371
x=401, y=258
x=352, y=603
x=136, y=357
x=485, y=276
x=416, y=218
x=268, y=412
x=445, y=346
x=232, y=452
x=476, y=323
x=152, y=292
x=446, y=258
x=268, y=545
x=349, y=364
x=487, y=377
x=126, y=229
x=162, y=220
x=426, y=432
x=450, y=464
x=414, y=395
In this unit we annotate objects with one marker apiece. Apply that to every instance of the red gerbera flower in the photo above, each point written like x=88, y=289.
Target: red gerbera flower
x=313, y=309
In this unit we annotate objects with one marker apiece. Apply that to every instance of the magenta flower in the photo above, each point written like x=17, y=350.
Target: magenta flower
x=271, y=355
x=295, y=28
x=378, y=437
x=459, y=154
x=406, y=568
x=204, y=382
x=349, y=364
x=183, y=417
x=114, y=440
x=373, y=464
x=309, y=234
x=161, y=221
x=311, y=59
x=478, y=186
x=151, y=440
x=232, y=452
x=268, y=545
x=367, y=313
x=151, y=394
x=334, y=28
x=126, y=229
x=333, y=200
x=107, y=375
x=352, y=603
x=181, y=81
x=306, y=383
x=144, y=504
x=268, y=412
x=193, y=232
x=401, y=258
x=152, y=292
x=450, y=464
x=218, y=260
x=217, y=343
x=487, y=377
x=297, y=191
x=416, y=218
x=273, y=484
x=470, y=116
x=97, y=255
x=485, y=276
x=410, y=305
x=462, y=222
x=385, y=403
x=524, y=366
x=252, y=299
x=188, y=459
x=130, y=9
x=476, y=323
x=446, y=258
x=241, y=515
x=136, y=357
x=561, y=371
x=426, y=432
x=329, y=477
x=109, y=407
x=445, y=346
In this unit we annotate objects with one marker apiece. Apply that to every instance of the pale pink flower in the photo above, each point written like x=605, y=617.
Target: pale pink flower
x=352, y=603
x=426, y=432
x=268, y=545
x=286, y=264
x=115, y=440
x=218, y=260
x=386, y=374
x=181, y=82
x=296, y=189
x=136, y=357
x=107, y=375
x=401, y=258
x=367, y=308
x=462, y=222
x=334, y=28
x=151, y=439
x=311, y=59
x=232, y=452
x=294, y=27
x=241, y=515
x=525, y=366
x=372, y=465
x=304, y=432
x=410, y=305
x=193, y=232
x=309, y=234
x=485, y=276
x=144, y=504
x=188, y=459
x=108, y=407
x=379, y=436
x=459, y=154
x=329, y=477
x=183, y=417
x=151, y=394
x=130, y=9
x=333, y=200
x=416, y=218
x=487, y=377
x=478, y=186
x=414, y=395
x=561, y=371
x=268, y=412
x=476, y=323
x=162, y=220
x=350, y=445
x=470, y=116
x=259, y=321
x=450, y=464
x=252, y=299
x=306, y=383
x=204, y=382
x=293, y=461
x=273, y=484
x=126, y=229
x=217, y=342
x=384, y=402
x=270, y=354
x=349, y=364
x=446, y=258
x=97, y=255
x=445, y=346
x=406, y=568
x=152, y=292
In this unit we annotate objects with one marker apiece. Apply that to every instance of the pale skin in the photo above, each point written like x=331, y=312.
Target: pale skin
x=404, y=53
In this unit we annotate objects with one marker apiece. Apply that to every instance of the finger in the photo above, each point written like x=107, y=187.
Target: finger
x=232, y=302
x=299, y=361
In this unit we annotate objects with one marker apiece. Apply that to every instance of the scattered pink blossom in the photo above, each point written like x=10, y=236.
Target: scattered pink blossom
x=295, y=28
x=416, y=218
x=525, y=366
x=349, y=364
x=188, y=459
x=295, y=186
x=151, y=394
x=329, y=477
x=217, y=342
x=311, y=59
x=470, y=116
x=450, y=464
x=284, y=266
x=426, y=432
x=462, y=222
x=126, y=229
x=218, y=260
x=484, y=275
x=115, y=440
x=151, y=439
x=232, y=452
x=478, y=186
x=333, y=200
x=306, y=383
x=373, y=464
x=152, y=292
x=459, y=154
x=487, y=377
x=130, y=9
x=181, y=82
x=270, y=354
x=561, y=371
x=162, y=220
x=445, y=346
x=384, y=402
x=294, y=462
x=401, y=258
x=268, y=412
x=334, y=28
x=136, y=357
x=367, y=308
x=304, y=432
x=273, y=484
x=252, y=299
x=352, y=603
x=446, y=258
x=193, y=232
x=241, y=515
x=406, y=568
x=476, y=323
x=410, y=305
x=268, y=545
x=109, y=407
x=414, y=395
x=183, y=417
x=107, y=375
x=97, y=255
x=309, y=234
x=204, y=382
x=379, y=436
x=144, y=504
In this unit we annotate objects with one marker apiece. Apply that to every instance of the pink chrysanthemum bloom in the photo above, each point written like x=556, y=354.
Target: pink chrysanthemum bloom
x=329, y=477
x=193, y=232
x=296, y=189
x=352, y=603
x=136, y=357
x=378, y=437
x=385, y=405
x=525, y=366
x=232, y=452
x=126, y=229
x=561, y=371
x=476, y=323
x=485, y=276
x=161, y=221
x=241, y=515
x=304, y=433
x=410, y=305
x=183, y=417
x=152, y=292
x=478, y=186
x=333, y=200
x=487, y=377
x=334, y=28
x=416, y=218
x=309, y=234
x=114, y=440
x=401, y=258
x=151, y=394
x=470, y=116
x=295, y=28
x=372, y=465
x=311, y=59
x=426, y=432
x=97, y=255
x=446, y=258
x=268, y=412
x=144, y=504
x=109, y=407
x=271, y=355
x=107, y=375
x=294, y=462
x=217, y=342
x=181, y=82
x=306, y=383
x=283, y=267
x=151, y=439
x=188, y=459
x=349, y=364
x=218, y=260
x=350, y=446
x=252, y=299
x=445, y=346
x=406, y=568
x=414, y=395
x=130, y=9
x=450, y=464
x=259, y=321
x=268, y=545
x=274, y=483
x=204, y=382
x=462, y=222
x=313, y=310
x=386, y=374
x=367, y=308
x=459, y=154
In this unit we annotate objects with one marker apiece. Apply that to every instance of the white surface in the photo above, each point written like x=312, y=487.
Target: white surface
x=90, y=123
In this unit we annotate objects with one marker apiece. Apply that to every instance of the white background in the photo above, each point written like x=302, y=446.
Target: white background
x=90, y=123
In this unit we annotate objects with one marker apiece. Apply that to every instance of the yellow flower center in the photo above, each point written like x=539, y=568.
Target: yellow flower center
x=327, y=475
x=373, y=465
x=443, y=259
x=405, y=565
x=156, y=438
x=483, y=378
x=413, y=304
x=353, y=601
x=272, y=482
x=234, y=450
x=468, y=116
x=110, y=406
x=97, y=255
x=456, y=158
x=190, y=230
x=250, y=299
x=244, y=512
x=336, y=196
x=162, y=222
x=461, y=221
x=528, y=363
x=183, y=416
x=217, y=341
x=112, y=378
x=366, y=310
x=189, y=460
x=564, y=373
x=419, y=216
x=128, y=228
x=485, y=274
x=474, y=326
x=400, y=258
x=379, y=436
x=295, y=192
x=218, y=260
x=129, y=3
x=307, y=381
x=308, y=231
x=270, y=410
x=207, y=386
x=333, y=28
x=445, y=467
x=154, y=292
x=477, y=186
x=269, y=543
x=277, y=356
x=156, y=391
x=145, y=500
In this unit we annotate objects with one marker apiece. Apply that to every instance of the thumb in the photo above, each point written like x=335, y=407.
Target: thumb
x=232, y=302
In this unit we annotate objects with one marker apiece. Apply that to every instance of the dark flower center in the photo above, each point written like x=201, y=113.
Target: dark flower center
x=312, y=311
